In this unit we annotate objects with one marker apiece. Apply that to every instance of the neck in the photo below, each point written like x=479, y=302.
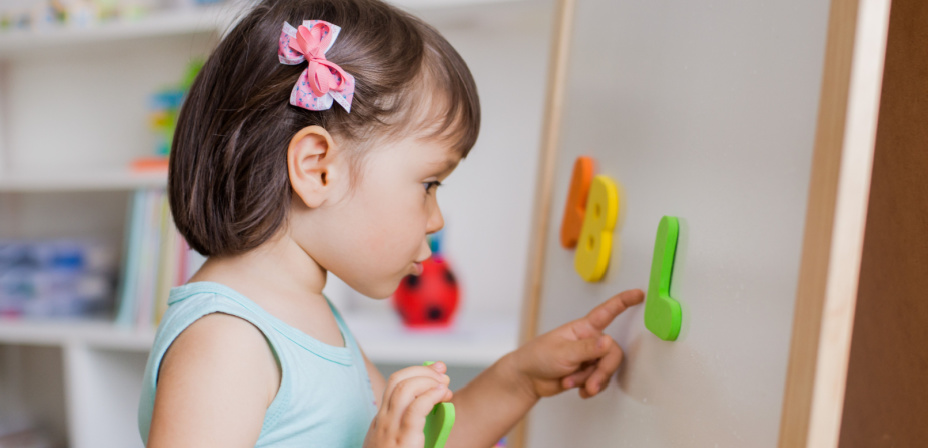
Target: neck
x=280, y=277
x=279, y=266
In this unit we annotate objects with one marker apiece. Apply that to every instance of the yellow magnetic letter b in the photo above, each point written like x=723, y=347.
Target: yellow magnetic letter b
x=595, y=244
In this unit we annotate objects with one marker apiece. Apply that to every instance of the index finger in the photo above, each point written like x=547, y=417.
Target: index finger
x=600, y=317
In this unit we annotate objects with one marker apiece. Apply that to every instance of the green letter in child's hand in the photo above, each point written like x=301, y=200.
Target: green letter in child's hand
x=438, y=423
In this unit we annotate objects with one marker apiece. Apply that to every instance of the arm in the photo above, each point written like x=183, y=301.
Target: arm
x=572, y=355
x=214, y=386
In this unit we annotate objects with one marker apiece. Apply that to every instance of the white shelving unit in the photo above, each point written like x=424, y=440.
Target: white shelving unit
x=100, y=334
x=73, y=115
x=468, y=342
x=113, y=180
x=169, y=22
x=384, y=339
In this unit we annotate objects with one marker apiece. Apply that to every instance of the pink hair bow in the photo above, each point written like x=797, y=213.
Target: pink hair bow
x=323, y=81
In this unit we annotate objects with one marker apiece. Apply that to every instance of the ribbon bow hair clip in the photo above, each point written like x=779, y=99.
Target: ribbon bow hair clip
x=323, y=81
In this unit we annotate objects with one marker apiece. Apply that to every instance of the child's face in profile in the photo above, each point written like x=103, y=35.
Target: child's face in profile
x=375, y=235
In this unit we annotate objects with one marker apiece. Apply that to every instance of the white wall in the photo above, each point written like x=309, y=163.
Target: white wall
x=705, y=110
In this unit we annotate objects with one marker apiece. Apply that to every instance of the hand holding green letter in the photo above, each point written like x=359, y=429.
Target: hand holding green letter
x=438, y=423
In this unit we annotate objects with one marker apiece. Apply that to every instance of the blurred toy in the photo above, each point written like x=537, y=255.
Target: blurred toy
x=42, y=16
x=16, y=19
x=54, y=13
x=431, y=298
x=106, y=9
x=165, y=106
x=49, y=14
x=80, y=13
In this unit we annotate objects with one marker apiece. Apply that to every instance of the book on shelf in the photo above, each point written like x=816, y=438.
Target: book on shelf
x=59, y=278
x=156, y=259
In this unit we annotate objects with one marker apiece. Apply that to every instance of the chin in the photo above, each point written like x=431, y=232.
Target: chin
x=381, y=292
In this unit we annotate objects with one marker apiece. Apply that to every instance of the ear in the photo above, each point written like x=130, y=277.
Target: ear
x=312, y=165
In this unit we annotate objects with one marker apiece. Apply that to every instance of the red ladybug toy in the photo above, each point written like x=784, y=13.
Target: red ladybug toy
x=429, y=299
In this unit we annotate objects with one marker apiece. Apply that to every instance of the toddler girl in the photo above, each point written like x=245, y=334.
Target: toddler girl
x=314, y=140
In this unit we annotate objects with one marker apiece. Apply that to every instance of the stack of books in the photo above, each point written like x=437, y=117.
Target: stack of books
x=59, y=278
x=157, y=259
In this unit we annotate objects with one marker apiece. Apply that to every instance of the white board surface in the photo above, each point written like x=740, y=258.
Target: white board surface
x=705, y=110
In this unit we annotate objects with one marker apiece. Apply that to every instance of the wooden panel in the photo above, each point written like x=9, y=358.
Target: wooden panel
x=827, y=292
x=554, y=106
x=554, y=101
x=886, y=403
x=826, y=162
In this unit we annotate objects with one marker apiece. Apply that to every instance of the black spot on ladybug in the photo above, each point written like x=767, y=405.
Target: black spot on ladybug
x=412, y=281
x=434, y=313
x=449, y=277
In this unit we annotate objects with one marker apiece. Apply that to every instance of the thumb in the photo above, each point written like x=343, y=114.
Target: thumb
x=587, y=349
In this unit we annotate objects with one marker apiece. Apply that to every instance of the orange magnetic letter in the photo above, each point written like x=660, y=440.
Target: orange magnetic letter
x=575, y=210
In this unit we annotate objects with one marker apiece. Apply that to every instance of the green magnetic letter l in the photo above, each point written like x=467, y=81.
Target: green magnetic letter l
x=662, y=314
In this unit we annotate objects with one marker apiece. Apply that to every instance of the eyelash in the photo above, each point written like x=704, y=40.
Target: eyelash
x=429, y=186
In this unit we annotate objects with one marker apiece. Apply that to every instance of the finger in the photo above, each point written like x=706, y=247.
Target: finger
x=439, y=367
x=583, y=393
x=405, y=427
x=585, y=350
x=579, y=377
x=413, y=419
x=407, y=391
x=411, y=372
x=600, y=317
x=604, y=369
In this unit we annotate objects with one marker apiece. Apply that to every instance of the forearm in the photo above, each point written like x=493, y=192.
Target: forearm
x=490, y=405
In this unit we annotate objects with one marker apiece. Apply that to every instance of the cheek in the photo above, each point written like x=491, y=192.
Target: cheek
x=393, y=221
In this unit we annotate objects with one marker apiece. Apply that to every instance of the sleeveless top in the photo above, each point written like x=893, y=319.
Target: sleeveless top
x=325, y=397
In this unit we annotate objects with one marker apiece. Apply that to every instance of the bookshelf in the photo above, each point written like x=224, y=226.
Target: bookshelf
x=168, y=22
x=64, y=158
x=113, y=180
x=101, y=334
x=384, y=338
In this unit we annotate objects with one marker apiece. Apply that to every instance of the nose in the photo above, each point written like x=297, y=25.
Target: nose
x=436, y=220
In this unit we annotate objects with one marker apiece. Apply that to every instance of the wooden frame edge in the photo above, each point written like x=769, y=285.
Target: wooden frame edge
x=551, y=126
x=835, y=221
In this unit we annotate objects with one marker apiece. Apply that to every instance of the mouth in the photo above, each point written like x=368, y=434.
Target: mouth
x=418, y=266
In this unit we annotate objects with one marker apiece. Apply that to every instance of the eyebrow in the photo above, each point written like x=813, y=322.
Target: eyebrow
x=447, y=165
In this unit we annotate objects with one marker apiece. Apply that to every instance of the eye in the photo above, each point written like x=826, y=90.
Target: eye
x=431, y=186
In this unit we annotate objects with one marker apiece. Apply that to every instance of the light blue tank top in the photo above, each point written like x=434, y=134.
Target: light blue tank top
x=325, y=397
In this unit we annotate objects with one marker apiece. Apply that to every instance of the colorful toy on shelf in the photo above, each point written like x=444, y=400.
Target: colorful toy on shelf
x=82, y=13
x=28, y=14
x=165, y=106
x=431, y=298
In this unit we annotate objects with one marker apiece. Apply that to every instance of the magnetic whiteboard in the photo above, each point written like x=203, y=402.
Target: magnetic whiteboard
x=705, y=110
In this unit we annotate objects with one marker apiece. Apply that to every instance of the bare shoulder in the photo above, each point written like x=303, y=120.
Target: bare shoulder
x=215, y=384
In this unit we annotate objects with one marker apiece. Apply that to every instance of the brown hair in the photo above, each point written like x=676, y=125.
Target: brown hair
x=228, y=185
